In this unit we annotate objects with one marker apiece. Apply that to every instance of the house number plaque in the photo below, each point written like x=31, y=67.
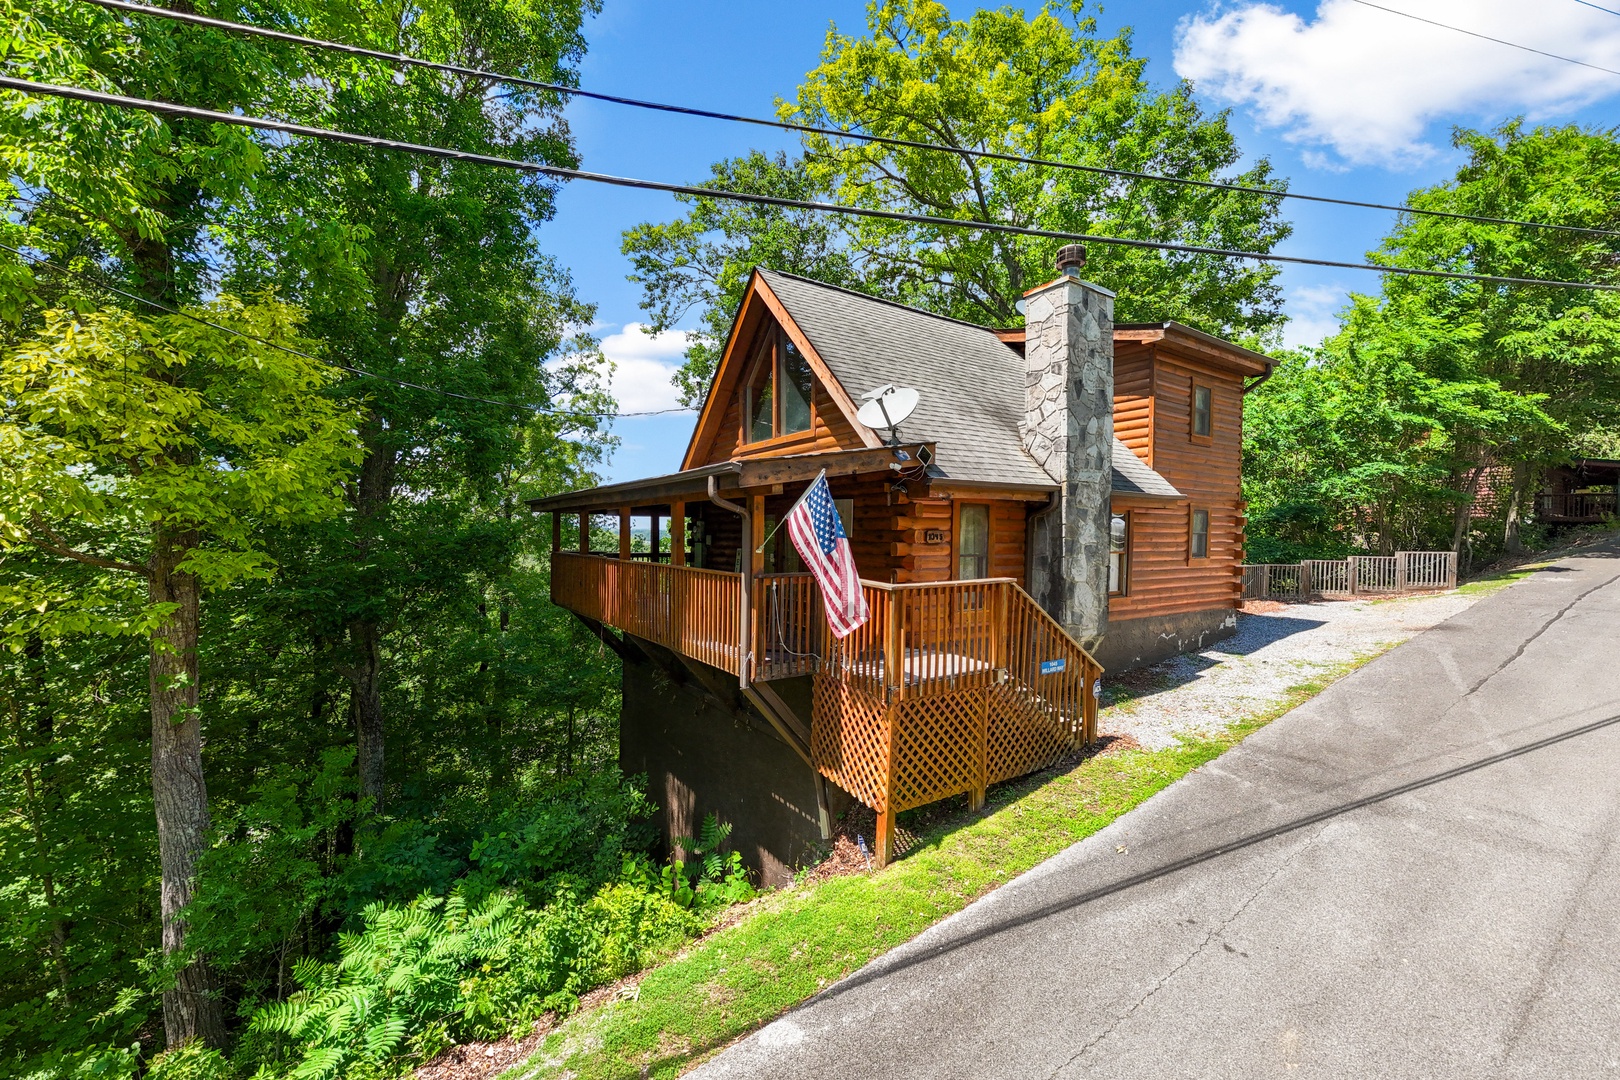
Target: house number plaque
x=933, y=536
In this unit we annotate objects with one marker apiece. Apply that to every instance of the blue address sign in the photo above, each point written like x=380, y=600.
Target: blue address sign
x=1052, y=667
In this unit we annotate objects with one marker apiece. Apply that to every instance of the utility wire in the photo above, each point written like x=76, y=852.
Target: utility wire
x=162, y=108
x=1598, y=7
x=786, y=125
x=43, y=264
x=1470, y=33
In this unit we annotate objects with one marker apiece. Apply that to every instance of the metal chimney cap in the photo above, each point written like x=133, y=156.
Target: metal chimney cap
x=1070, y=258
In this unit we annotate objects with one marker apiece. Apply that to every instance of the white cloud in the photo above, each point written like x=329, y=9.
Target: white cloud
x=1313, y=314
x=1367, y=83
x=643, y=366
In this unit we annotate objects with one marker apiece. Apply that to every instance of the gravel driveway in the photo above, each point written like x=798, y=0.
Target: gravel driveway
x=1253, y=670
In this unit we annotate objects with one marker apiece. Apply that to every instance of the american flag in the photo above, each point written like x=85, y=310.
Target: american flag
x=819, y=536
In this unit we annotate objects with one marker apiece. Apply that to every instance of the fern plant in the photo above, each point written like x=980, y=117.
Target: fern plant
x=717, y=878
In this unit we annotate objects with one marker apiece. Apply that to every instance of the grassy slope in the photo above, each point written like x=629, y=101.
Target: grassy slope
x=803, y=939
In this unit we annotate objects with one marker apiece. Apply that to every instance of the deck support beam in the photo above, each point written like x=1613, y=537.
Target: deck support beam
x=619, y=647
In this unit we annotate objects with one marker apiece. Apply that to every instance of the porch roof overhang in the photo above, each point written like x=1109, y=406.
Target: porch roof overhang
x=733, y=477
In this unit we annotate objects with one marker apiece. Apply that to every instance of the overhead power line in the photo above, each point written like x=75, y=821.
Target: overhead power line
x=810, y=129
x=162, y=108
x=1472, y=34
x=1598, y=7
x=43, y=264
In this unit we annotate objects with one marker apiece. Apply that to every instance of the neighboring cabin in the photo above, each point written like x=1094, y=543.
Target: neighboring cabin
x=1071, y=483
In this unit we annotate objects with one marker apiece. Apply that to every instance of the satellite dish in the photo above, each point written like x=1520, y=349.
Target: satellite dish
x=887, y=406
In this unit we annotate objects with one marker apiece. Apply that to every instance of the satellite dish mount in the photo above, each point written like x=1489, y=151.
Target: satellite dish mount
x=887, y=406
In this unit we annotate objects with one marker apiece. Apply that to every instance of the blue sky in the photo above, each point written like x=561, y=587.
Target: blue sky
x=1345, y=99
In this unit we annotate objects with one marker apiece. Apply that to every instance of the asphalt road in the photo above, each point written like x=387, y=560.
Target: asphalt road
x=1417, y=874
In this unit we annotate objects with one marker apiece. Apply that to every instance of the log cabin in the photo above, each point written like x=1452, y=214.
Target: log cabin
x=1065, y=497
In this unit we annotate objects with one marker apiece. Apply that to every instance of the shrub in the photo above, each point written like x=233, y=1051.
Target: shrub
x=440, y=970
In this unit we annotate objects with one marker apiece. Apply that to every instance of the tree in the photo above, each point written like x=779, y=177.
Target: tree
x=1554, y=347
x=1042, y=86
x=702, y=261
x=430, y=272
x=130, y=194
x=152, y=447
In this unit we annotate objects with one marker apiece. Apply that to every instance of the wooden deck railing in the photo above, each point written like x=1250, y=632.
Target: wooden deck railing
x=951, y=687
x=1583, y=506
x=948, y=688
x=692, y=611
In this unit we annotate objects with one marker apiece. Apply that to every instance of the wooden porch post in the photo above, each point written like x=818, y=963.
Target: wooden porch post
x=883, y=842
x=756, y=558
x=677, y=533
x=556, y=531
x=584, y=532
x=654, y=538
x=624, y=532
x=756, y=566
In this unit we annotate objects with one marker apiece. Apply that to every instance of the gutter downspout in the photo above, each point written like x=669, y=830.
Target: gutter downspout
x=744, y=621
x=1256, y=384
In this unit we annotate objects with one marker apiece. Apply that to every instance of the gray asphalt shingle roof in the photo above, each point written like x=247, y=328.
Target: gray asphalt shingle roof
x=971, y=383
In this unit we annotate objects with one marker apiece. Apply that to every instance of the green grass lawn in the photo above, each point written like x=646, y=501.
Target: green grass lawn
x=797, y=941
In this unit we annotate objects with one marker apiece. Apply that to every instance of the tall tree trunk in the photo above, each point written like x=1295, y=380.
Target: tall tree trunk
x=1511, y=539
x=372, y=495
x=192, y=1007
x=365, y=695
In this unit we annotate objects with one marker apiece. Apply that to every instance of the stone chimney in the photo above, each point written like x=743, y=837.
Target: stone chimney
x=1068, y=428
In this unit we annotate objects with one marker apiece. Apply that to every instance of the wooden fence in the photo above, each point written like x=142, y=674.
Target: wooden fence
x=1359, y=575
x=1577, y=505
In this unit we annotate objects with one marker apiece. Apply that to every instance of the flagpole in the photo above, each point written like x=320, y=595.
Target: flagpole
x=783, y=519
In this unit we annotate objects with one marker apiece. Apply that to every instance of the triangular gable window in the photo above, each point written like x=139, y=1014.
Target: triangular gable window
x=779, y=388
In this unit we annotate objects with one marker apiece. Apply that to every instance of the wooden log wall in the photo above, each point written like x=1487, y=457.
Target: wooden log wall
x=1164, y=579
x=891, y=539
x=1133, y=397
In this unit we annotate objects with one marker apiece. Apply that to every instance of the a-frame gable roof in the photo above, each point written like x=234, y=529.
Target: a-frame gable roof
x=970, y=383
x=971, y=386
x=759, y=305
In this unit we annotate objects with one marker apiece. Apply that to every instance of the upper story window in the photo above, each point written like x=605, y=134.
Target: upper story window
x=780, y=389
x=1200, y=411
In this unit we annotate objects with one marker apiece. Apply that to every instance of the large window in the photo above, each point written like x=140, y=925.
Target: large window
x=1200, y=415
x=761, y=401
x=1198, y=540
x=973, y=542
x=797, y=386
x=780, y=388
x=1119, y=555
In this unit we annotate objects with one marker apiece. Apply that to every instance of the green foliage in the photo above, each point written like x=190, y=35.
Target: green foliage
x=1432, y=391
x=440, y=969
x=717, y=879
x=701, y=263
x=113, y=423
x=1042, y=85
